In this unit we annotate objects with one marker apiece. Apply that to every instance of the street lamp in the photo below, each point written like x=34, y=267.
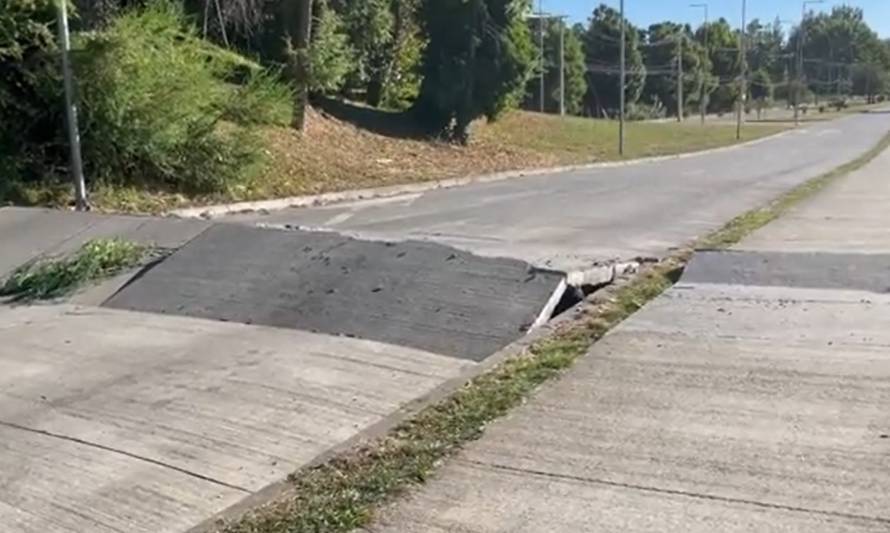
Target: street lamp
x=801, y=35
x=702, y=97
x=80, y=195
x=743, y=90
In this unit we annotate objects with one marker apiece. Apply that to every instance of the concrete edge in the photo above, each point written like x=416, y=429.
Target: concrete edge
x=315, y=200
x=279, y=489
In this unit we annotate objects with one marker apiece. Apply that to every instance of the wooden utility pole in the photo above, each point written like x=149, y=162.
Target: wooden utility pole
x=680, y=78
x=300, y=60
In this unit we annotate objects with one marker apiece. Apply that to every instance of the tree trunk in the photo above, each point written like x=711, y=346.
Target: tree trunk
x=300, y=59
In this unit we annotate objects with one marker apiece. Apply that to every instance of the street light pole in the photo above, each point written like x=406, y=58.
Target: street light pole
x=621, y=85
x=680, y=98
x=562, y=67
x=702, y=102
x=80, y=192
x=801, y=36
x=541, y=42
x=743, y=89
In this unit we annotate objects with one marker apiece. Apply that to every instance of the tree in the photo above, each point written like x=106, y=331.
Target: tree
x=834, y=44
x=723, y=56
x=476, y=62
x=664, y=42
x=761, y=89
x=602, y=50
x=296, y=21
x=331, y=56
x=575, y=70
x=371, y=28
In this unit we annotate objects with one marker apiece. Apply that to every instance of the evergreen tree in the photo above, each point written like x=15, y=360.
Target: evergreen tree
x=601, y=48
x=476, y=62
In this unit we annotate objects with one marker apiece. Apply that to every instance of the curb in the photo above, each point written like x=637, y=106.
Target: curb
x=315, y=200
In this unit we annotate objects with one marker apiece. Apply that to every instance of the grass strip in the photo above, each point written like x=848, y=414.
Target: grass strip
x=53, y=278
x=342, y=494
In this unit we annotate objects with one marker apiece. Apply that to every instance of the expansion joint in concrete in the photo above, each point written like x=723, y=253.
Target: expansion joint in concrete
x=674, y=492
x=125, y=453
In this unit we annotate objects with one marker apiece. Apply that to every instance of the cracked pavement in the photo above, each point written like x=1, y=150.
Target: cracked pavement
x=752, y=396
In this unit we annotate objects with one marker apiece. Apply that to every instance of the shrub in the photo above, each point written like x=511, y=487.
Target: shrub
x=163, y=108
x=30, y=91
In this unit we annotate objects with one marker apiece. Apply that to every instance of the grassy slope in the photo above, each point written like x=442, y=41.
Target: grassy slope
x=335, y=155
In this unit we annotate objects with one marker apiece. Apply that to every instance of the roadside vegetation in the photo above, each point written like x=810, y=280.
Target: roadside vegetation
x=342, y=494
x=191, y=101
x=48, y=279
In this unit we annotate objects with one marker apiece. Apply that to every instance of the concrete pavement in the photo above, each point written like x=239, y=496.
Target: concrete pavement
x=573, y=221
x=115, y=421
x=29, y=233
x=735, y=402
x=416, y=294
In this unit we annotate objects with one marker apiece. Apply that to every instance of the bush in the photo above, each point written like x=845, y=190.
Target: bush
x=644, y=111
x=164, y=108
x=30, y=92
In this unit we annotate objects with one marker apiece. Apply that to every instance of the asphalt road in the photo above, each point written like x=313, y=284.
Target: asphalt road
x=574, y=220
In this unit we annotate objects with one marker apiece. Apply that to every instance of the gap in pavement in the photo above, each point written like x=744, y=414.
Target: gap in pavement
x=416, y=294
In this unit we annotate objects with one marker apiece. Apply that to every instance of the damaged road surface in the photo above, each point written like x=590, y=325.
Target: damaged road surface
x=415, y=294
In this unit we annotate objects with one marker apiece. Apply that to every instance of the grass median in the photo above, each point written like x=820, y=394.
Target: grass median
x=343, y=493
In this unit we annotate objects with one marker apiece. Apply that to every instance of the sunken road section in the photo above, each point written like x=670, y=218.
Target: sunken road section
x=416, y=294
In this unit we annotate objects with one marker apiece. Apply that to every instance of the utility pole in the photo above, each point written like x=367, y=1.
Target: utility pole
x=562, y=66
x=703, y=104
x=801, y=36
x=541, y=42
x=80, y=191
x=680, y=77
x=743, y=89
x=621, y=84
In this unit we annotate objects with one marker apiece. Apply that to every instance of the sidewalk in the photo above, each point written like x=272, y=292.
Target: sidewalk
x=752, y=396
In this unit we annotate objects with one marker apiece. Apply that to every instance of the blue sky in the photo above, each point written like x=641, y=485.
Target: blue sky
x=644, y=12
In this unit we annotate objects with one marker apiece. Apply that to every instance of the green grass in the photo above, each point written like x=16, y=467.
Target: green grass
x=343, y=493
x=578, y=140
x=48, y=279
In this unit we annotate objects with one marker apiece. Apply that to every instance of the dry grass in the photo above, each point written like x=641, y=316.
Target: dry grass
x=335, y=155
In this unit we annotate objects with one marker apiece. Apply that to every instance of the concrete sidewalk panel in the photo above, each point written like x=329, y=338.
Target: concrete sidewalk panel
x=549, y=503
x=162, y=421
x=422, y=295
x=713, y=409
x=849, y=216
x=28, y=233
x=865, y=272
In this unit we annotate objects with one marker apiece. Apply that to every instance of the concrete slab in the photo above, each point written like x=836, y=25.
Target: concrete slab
x=28, y=233
x=716, y=408
x=866, y=272
x=422, y=295
x=115, y=421
x=850, y=216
